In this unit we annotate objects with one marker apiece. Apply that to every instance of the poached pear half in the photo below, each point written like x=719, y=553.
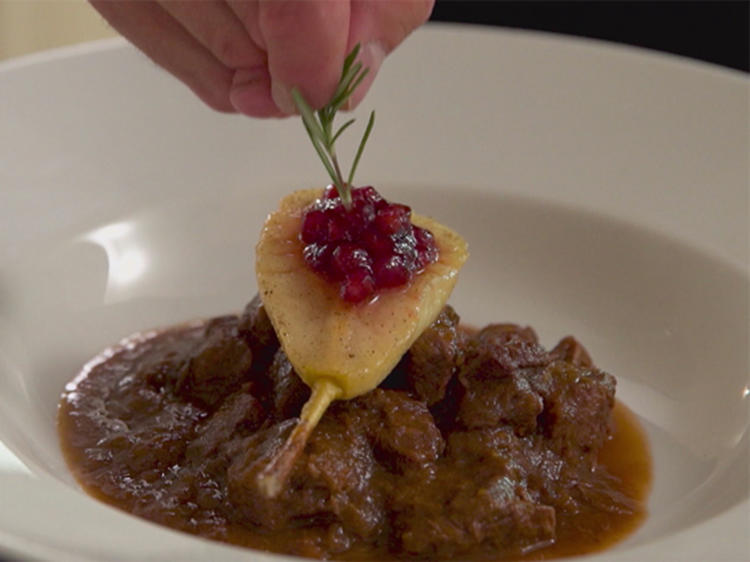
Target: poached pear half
x=340, y=349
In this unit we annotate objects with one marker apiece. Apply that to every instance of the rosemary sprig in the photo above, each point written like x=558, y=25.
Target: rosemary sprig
x=319, y=124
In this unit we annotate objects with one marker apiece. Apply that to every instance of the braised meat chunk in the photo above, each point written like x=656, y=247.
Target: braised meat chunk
x=220, y=362
x=432, y=360
x=255, y=327
x=494, y=374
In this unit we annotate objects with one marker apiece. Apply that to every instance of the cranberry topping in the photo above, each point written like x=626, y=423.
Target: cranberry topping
x=369, y=247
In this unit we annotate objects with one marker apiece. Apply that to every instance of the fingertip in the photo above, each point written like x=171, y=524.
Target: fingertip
x=221, y=107
x=306, y=43
x=214, y=91
x=250, y=93
x=282, y=97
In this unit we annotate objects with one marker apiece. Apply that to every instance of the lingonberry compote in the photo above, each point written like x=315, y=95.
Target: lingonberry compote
x=371, y=246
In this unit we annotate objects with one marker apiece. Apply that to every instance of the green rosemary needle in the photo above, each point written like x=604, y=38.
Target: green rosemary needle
x=319, y=124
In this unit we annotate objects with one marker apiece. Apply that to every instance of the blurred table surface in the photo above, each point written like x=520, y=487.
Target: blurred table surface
x=716, y=32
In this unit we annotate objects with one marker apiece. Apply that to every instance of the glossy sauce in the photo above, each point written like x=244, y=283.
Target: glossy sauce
x=113, y=423
x=627, y=459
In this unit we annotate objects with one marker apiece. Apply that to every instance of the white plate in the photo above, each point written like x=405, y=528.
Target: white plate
x=603, y=191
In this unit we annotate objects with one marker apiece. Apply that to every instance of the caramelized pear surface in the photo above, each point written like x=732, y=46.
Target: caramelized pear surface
x=353, y=345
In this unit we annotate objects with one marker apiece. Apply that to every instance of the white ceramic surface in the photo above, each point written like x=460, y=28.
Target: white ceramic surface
x=604, y=192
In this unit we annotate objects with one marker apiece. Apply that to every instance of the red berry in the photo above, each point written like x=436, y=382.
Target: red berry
x=391, y=272
x=423, y=237
x=405, y=245
x=368, y=194
x=330, y=192
x=318, y=256
x=376, y=244
x=357, y=286
x=350, y=257
x=337, y=227
x=314, y=226
x=371, y=246
x=393, y=219
x=427, y=251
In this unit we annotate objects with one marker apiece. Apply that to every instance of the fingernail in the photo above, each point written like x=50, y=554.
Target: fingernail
x=250, y=92
x=371, y=55
x=282, y=97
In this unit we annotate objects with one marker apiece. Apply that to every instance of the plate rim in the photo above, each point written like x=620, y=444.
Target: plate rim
x=93, y=47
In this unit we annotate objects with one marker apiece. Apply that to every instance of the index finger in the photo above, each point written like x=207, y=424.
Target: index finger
x=380, y=26
x=306, y=45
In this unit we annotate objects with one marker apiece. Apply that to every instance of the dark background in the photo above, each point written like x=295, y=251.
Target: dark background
x=716, y=32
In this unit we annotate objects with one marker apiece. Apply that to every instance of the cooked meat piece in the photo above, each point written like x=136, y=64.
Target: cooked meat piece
x=447, y=526
x=494, y=507
x=493, y=375
x=494, y=450
x=570, y=349
x=431, y=361
x=340, y=459
x=243, y=493
x=256, y=328
x=577, y=409
x=509, y=400
x=288, y=392
x=330, y=482
x=402, y=429
x=501, y=349
x=218, y=366
x=241, y=410
x=442, y=515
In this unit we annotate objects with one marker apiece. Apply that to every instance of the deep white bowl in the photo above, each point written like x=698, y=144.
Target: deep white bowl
x=603, y=192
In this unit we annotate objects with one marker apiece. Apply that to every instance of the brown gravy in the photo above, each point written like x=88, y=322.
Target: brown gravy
x=142, y=430
x=626, y=457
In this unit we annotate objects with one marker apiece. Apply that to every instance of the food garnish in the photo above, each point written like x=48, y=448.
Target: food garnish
x=346, y=310
x=319, y=124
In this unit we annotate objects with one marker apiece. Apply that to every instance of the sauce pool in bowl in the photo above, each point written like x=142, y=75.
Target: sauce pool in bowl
x=480, y=445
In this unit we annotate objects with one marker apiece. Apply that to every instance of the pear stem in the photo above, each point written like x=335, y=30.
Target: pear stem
x=272, y=478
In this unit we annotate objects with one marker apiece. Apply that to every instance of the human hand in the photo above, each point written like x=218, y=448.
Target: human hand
x=246, y=55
